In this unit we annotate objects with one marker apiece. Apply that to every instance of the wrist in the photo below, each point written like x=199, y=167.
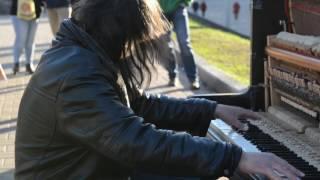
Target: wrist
x=241, y=162
x=232, y=163
x=218, y=111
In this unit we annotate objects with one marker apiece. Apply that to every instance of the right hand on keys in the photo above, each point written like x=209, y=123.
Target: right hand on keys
x=269, y=165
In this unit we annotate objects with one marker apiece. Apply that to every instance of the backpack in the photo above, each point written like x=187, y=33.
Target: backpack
x=26, y=9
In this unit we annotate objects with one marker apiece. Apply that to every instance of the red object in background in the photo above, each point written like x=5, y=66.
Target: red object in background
x=236, y=9
x=203, y=8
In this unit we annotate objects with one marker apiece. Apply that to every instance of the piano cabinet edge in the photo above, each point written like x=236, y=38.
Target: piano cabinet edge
x=294, y=58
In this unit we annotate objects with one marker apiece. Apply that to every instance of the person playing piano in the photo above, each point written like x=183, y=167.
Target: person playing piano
x=83, y=117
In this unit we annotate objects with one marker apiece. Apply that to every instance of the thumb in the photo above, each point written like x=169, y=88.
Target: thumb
x=239, y=125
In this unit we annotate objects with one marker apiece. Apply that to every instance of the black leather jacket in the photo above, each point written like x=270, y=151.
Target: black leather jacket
x=76, y=122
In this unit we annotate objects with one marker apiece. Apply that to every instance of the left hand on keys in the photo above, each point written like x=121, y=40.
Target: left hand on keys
x=232, y=115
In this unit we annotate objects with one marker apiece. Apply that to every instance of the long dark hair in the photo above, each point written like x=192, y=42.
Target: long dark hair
x=128, y=30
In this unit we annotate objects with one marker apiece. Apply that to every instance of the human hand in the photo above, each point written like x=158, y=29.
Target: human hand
x=232, y=115
x=269, y=165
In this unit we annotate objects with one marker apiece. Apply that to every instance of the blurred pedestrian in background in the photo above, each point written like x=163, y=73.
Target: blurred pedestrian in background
x=203, y=8
x=195, y=6
x=236, y=10
x=176, y=12
x=58, y=10
x=24, y=18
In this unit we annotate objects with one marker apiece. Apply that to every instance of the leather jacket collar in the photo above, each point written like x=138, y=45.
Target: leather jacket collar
x=71, y=33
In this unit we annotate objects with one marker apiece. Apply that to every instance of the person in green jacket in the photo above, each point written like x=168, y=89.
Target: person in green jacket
x=176, y=12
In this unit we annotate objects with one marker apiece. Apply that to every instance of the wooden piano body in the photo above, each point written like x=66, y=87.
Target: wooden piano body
x=284, y=88
x=292, y=79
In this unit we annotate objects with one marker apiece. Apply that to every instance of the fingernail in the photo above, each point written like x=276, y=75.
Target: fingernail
x=245, y=127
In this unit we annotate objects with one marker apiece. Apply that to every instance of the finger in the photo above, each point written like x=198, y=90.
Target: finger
x=238, y=124
x=245, y=127
x=284, y=163
x=242, y=127
x=285, y=172
x=273, y=175
x=247, y=114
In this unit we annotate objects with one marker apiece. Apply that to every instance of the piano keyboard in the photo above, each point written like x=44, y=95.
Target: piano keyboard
x=255, y=140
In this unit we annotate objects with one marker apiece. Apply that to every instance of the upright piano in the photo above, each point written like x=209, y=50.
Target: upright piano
x=284, y=89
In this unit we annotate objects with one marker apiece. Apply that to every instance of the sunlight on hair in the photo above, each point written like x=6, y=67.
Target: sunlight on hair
x=158, y=24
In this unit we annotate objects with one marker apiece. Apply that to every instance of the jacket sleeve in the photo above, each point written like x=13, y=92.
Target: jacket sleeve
x=90, y=112
x=191, y=115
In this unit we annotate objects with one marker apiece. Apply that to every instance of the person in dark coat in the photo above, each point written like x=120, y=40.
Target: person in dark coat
x=195, y=6
x=82, y=115
x=25, y=31
x=58, y=10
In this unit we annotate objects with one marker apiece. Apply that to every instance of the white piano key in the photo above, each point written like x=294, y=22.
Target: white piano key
x=226, y=133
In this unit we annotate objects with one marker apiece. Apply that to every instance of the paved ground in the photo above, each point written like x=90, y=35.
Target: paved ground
x=12, y=89
x=221, y=12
